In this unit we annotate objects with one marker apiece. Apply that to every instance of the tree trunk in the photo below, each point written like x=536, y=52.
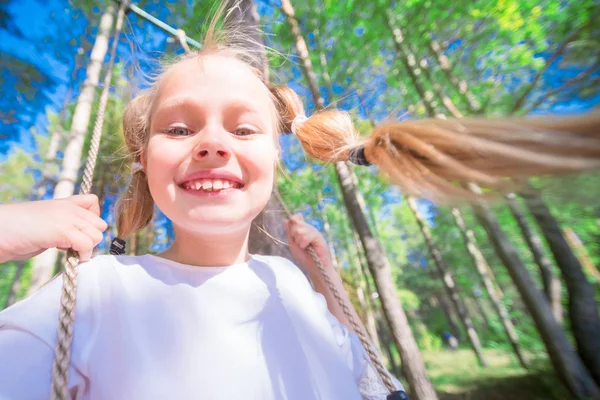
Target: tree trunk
x=413, y=365
x=363, y=284
x=43, y=264
x=495, y=295
x=552, y=287
x=443, y=301
x=566, y=363
x=449, y=284
x=584, y=257
x=380, y=327
x=15, y=284
x=460, y=85
x=410, y=66
x=477, y=302
x=328, y=236
x=583, y=308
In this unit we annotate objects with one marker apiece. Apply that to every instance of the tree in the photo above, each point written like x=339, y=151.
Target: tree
x=43, y=265
x=412, y=363
x=483, y=269
x=449, y=284
x=552, y=287
x=583, y=308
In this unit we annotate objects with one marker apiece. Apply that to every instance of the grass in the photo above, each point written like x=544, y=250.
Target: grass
x=456, y=375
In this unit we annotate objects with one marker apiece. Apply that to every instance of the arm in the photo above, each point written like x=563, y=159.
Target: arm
x=29, y=228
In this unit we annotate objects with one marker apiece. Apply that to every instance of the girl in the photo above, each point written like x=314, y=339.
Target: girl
x=204, y=319
x=207, y=320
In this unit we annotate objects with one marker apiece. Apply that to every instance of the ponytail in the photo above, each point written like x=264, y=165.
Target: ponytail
x=437, y=158
x=135, y=207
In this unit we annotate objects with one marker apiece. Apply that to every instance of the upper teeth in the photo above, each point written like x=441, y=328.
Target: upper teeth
x=210, y=184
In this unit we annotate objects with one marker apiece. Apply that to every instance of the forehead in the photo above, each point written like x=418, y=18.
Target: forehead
x=216, y=80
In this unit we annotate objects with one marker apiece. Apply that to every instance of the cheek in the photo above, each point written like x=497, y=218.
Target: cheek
x=162, y=159
x=259, y=162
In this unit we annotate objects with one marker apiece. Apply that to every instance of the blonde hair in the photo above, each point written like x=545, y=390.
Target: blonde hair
x=433, y=158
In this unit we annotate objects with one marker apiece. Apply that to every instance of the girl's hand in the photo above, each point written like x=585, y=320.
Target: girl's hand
x=30, y=228
x=300, y=236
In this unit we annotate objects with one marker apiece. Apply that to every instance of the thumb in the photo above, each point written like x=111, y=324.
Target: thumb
x=88, y=201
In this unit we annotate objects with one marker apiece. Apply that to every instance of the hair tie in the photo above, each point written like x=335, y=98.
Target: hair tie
x=136, y=167
x=117, y=247
x=357, y=156
x=299, y=120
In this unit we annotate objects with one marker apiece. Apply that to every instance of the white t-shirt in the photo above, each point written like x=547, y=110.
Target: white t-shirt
x=149, y=328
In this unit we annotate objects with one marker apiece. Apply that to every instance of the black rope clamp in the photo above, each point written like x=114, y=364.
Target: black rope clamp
x=117, y=247
x=357, y=156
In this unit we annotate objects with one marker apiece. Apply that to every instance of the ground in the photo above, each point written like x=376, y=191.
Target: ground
x=456, y=375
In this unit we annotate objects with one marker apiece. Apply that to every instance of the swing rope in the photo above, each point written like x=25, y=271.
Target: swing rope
x=362, y=336
x=62, y=351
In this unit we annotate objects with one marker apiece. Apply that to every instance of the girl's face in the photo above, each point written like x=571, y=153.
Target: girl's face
x=211, y=154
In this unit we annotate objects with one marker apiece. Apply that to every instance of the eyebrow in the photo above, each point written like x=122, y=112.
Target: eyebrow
x=236, y=105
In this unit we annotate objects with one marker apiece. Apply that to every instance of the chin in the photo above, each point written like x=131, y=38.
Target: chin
x=216, y=221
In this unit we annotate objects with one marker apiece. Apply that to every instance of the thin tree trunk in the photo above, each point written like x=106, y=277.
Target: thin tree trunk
x=43, y=264
x=552, y=287
x=380, y=327
x=412, y=362
x=583, y=308
x=564, y=359
x=15, y=284
x=362, y=295
x=410, y=66
x=388, y=344
x=478, y=304
x=460, y=85
x=362, y=285
x=583, y=256
x=328, y=236
x=495, y=295
x=449, y=284
x=447, y=308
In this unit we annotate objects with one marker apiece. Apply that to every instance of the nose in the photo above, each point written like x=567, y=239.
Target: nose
x=211, y=147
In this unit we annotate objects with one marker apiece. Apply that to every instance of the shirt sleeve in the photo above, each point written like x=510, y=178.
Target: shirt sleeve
x=369, y=383
x=28, y=337
x=26, y=367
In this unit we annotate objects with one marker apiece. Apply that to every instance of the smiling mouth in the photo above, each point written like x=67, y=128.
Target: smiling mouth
x=211, y=185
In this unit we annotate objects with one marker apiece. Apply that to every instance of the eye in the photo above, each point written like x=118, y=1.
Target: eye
x=178, y=131
x=245, y=131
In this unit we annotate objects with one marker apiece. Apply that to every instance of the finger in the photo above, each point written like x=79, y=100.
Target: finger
x=298, y=218
x=87, y=201
x=94, y=234
x=81, y=243
x=304, y=242
x=92, y=219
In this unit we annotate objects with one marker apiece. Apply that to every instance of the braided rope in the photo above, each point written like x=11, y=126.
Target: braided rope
x=182, y=40
x=62, y=351
x=362, y=336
